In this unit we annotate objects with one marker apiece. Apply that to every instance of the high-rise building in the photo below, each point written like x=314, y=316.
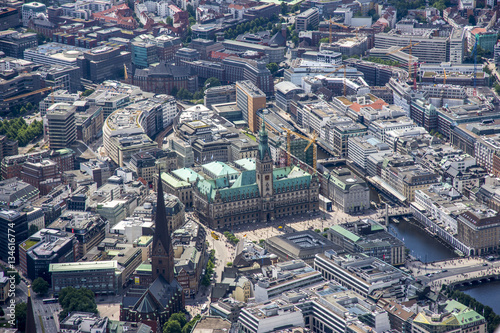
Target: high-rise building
x=61, y=126
x=12, y=220
x=307, y=20
x=250, y=99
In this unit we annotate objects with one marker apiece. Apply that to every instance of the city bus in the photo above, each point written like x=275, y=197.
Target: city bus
x=49, y=300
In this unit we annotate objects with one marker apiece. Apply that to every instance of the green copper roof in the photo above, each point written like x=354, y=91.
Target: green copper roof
x=172, y=181
x=245, y=178
x=220, y=169
x=346, y=233
x=187, y=174
x=246, y=163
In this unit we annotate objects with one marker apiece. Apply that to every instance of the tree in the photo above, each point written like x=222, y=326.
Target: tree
x=273, y=67
x=212, y=82
x=198, y=95
x=190, y=10
x=179, y=317
x=72, y=299
x=169, y=21
x=33, y=229
x=20, y=312
x=497, y=88
x=40, y=286
x=284, y=8
x=324, y=40
x=172, y=326
x=174, y=91
x=184, y=94
x=472, y=20
x=87, y=92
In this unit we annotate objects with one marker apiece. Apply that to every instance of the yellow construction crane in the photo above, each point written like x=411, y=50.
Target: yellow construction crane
x=444, y=80
x=357, y=30
x=312, y=141
x=125, y=69
x=345, y=74
x=409, y=46
x=52, y=92
x=330, y=21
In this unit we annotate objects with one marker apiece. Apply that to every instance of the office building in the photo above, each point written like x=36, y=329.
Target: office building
x=302, y=245
x=13, y=43
x=44, y=175
x=9, y=18
x=88, y=228
x=349, y=193
x=98, y=276
x=307, y=20
x=361, y=273
x=13, y=230
x=479, y=230
x=45, y=247
x=144, y=54
x=31, y=11
x=104, y=63
x=368, y=237
x=61, y=126
x=219, y=95
x=15, y=193
x=285, y=92
x=250, y=99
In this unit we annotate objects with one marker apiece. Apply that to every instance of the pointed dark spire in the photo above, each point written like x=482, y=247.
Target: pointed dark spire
x=30, y=316
x=162, y=232
x=263, y=142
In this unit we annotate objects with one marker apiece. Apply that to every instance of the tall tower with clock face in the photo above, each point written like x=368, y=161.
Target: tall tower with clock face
x=264, y=175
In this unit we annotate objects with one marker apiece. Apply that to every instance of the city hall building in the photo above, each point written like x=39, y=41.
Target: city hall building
x=261, y=194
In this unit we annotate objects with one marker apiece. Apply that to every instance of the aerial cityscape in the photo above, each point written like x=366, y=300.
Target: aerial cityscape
x=249, y=166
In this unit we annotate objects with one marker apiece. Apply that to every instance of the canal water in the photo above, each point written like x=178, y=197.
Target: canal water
x=487, y=294
x=428, y=249
x=421, y=245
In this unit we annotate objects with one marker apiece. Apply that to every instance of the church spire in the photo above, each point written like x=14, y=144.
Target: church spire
x=30, y=316
x=263, y=142
x=163, y=252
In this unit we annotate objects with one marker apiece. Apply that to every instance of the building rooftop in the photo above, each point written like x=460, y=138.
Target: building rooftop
x=83, y=266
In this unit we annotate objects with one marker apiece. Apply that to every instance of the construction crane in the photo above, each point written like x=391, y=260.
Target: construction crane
x=52, y=91
x=330, y=21
x=312, y=141
x=474, y=54
x=357, y=30
x=125, y=69
x=444, y=80
x=410, y=47
x=345, y=74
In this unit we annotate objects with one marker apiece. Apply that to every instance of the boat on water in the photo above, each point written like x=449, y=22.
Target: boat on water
x=406, y=219
x=395, y=220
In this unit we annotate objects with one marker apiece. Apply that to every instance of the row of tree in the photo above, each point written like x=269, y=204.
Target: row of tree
x=258, y=24
x=177, y=323
x=18, y=129
x=209, y=270
x=231, y=238
x=186, y=95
